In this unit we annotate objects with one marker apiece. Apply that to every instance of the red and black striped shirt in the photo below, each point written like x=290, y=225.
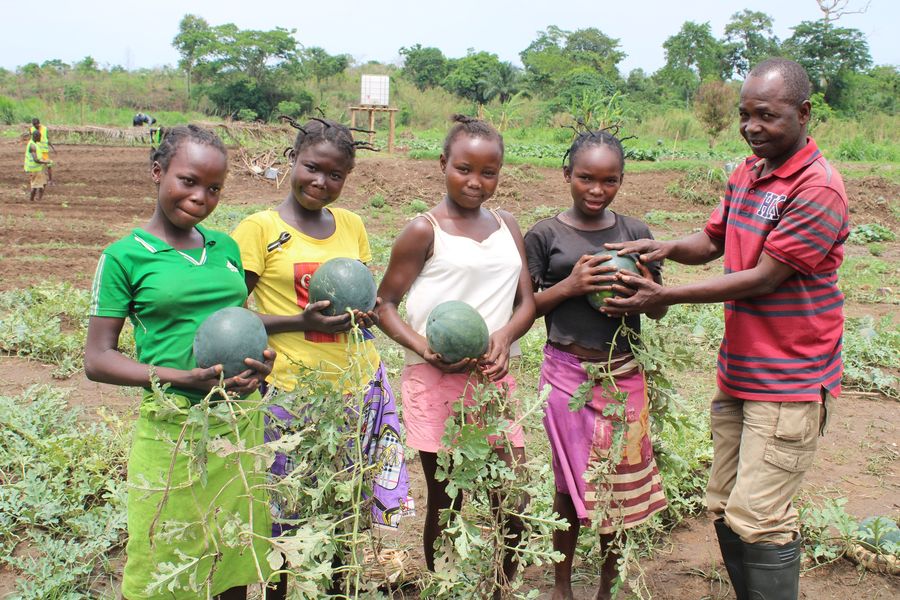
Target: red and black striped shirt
x=784, y=346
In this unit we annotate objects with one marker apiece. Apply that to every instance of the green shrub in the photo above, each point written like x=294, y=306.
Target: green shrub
x=870, y=232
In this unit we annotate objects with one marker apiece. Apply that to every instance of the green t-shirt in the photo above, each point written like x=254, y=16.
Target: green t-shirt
x=167, y=293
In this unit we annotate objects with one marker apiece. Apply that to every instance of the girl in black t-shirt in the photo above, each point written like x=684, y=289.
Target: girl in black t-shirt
x=616, y=481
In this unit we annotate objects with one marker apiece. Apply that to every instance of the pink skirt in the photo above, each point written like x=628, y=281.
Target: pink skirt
x=427, y=398
x=630, y=491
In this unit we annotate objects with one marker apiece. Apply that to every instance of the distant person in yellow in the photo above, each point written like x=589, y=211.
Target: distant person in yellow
x=34, y=165
x=44, y=146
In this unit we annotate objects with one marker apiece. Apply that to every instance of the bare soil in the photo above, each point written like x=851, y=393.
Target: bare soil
x=99, y=193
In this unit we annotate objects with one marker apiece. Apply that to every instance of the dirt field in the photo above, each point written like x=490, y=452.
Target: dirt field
x=102, y=192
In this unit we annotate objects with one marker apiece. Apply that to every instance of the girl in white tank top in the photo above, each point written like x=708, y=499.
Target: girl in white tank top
x=457, y=251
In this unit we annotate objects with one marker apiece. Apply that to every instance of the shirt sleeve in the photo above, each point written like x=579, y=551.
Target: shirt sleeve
x=111, y=292
x=250, y=238
x=536, y=256
x=811, y=224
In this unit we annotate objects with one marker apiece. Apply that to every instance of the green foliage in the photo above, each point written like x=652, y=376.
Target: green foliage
x=656, y=218
x=699, y=185
x=871, y=232
x=555, y=54
x=424, y=67
x=377, y=201
x=714, y=105
x=871, y=355
x=468, y=76
x=749, y=40
x=695, y=49
x=868, y=280
x=470, y=553
x=826, y=529
x=828, y=54
x=62, y=498
x=417, y=206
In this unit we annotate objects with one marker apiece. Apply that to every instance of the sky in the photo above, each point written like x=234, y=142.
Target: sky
x=139, y=34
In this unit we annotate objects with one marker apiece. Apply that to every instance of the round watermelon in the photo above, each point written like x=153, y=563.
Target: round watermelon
x=346, y=283
x=876, y=532
x=622, y=263
x=456, y=331
x=227, y=337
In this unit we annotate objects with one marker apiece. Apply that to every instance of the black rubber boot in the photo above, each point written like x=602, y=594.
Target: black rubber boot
x=772, y=572
x=732, y=549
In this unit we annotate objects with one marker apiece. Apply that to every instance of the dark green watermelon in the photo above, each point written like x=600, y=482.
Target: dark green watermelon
x=876, y=532
x=227, y=337
x=626, y=262
x=456, y=331
x=346, y=283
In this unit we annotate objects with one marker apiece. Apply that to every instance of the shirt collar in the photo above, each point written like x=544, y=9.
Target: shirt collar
x=153, y=244
x=803, y=157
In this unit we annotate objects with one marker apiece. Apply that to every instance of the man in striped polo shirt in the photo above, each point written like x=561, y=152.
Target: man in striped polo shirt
x=781, y=228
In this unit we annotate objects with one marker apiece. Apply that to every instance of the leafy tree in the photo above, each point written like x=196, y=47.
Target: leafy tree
x=32, y=70
x=468, y=75
x=544, y=59
x=592, y=48
x=501, y=83
x=87, y=65
x=714, y=106
x=556, y=52
x=749, y=40
x=195, y=41
x=323, y=65
x=829, y=54
x=695, y=48
x=877, y=90
x=425, y=67
x=55, y=65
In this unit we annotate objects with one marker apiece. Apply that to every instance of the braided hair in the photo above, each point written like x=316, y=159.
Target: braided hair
x=601, y=137
x=471, y=127
x=173, y=137
x=318, y=130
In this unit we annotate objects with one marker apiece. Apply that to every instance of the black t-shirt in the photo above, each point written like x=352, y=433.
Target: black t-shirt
x=553, y=248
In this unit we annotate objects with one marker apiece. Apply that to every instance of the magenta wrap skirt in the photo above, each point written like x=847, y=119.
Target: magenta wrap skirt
x=629, y=492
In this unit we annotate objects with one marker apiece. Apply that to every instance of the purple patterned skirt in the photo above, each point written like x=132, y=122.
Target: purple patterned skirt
x=381, y=445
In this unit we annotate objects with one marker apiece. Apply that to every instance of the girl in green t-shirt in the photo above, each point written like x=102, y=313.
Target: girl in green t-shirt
x=167, y=277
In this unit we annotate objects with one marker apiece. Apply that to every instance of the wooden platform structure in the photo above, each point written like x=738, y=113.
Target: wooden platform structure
x=371, y=110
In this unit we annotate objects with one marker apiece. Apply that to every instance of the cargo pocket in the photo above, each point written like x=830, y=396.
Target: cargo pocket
x=787, y=455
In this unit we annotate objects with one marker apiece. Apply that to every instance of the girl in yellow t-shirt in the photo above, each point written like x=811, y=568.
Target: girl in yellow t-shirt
x=281, y=248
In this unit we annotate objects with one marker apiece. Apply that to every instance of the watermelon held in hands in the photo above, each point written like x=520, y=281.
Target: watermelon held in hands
x=456, y=331
x=625, y=262
x=346, y=283
x=227, y=337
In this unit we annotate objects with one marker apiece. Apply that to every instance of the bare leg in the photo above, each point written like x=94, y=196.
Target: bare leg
x=565, y=542
x=608, y=572
x=437, y=501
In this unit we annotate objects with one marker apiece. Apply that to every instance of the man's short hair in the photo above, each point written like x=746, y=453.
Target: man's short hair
x=796, y=80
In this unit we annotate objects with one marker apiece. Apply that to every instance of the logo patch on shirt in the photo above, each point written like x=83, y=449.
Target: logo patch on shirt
x=770, y=209
x=231, y=266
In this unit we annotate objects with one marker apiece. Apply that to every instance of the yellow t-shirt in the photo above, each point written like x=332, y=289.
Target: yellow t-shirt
x=283, y=289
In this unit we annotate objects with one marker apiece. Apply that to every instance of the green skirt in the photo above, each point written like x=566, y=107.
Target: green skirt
x=201, y=543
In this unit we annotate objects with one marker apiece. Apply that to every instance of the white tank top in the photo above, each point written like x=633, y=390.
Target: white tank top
x=483, y=274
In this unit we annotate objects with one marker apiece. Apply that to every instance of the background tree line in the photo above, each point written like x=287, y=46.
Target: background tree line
x=247, y=74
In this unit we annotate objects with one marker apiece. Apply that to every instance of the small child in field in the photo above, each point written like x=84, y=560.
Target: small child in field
x=281, y=249
x=563, y=270
x=459, y=250
x=36, y=166
x=167, y=277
